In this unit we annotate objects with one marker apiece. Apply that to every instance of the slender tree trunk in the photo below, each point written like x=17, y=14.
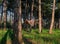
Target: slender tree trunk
x=40, y=24
x=52, y=20
x=26, y=10
x=11, y=22
x=32, y=8
x=4, y=13
x=31, y=15
x=20, y=25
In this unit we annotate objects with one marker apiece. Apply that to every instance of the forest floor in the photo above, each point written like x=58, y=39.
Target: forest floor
x=33, y=37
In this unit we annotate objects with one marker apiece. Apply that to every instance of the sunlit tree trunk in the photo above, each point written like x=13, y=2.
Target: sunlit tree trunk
x=4, y=13
x=52, y=20
x=32, y=8
x=20, y=24
x=40, y=24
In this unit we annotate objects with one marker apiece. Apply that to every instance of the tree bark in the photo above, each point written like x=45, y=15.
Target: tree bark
x=40, y=24
x=4, y=13
x=52, y=20
x=20, y=25
x=32, y=8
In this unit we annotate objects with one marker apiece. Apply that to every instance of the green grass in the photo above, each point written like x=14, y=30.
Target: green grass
x=39, y=38
x=44, y=37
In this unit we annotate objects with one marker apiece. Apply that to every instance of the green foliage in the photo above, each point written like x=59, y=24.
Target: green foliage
x=42, y=38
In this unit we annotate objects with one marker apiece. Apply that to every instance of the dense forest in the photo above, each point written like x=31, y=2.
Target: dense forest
x=24, y=16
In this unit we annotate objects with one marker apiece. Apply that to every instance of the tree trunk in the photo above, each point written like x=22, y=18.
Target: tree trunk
x=4, y=13
x=52, y=20
x=32, y=8
x=40, y=24
x=20, y=25
x=11, y=21
x=31, y=15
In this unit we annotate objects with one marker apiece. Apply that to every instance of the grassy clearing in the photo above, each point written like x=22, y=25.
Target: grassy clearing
x=42, y=38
